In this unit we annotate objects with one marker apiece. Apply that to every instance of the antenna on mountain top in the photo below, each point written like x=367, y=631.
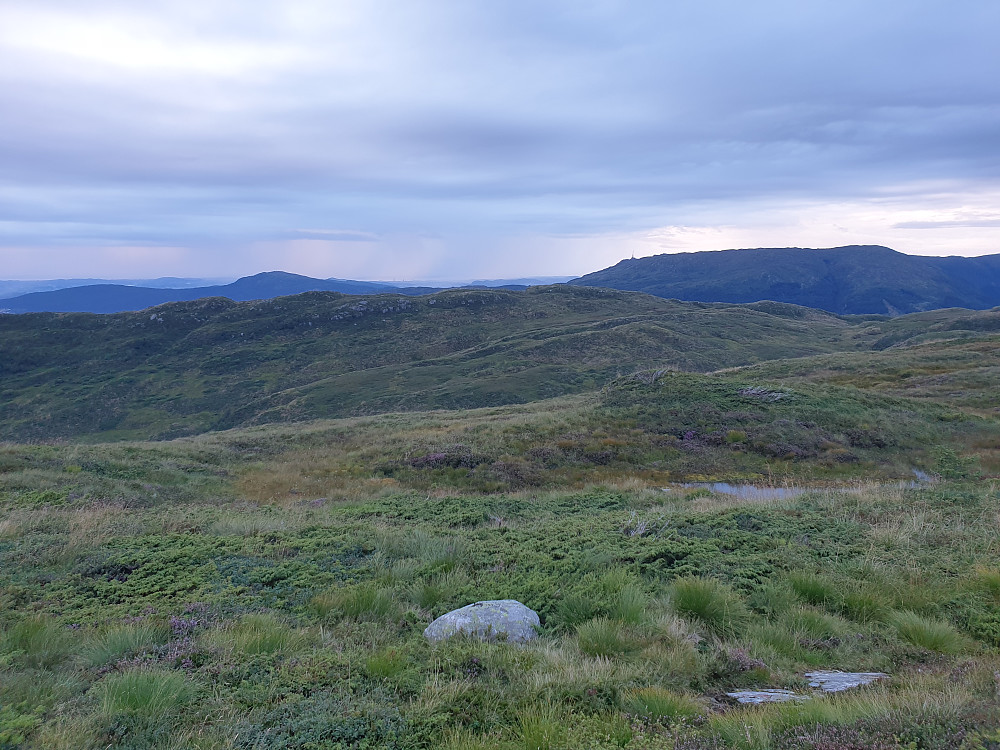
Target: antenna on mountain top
x=633, y=255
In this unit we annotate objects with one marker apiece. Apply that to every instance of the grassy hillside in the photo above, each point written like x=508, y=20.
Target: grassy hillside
x=214, y=364
x=845, y=280
x=188, y=367
x=963, y=372
x=268, y=587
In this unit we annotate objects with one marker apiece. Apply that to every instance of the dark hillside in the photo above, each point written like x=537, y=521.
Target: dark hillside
x=844, y=280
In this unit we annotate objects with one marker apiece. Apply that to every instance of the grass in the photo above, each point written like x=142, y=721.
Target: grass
x=37, y=641
x=603, y=637
x=146, y=693
x=361, y=602
x=928, y=633
x=269, y=586
x=712, y=603
x=263, y=633
x=122, y=641
x=658, y=704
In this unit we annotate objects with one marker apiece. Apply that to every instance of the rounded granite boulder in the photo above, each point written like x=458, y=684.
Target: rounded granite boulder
x=498, y=620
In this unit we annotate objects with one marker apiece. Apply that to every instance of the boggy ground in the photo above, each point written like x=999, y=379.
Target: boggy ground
x=268, y=588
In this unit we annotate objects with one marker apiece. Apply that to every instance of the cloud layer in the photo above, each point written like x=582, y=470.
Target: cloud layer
x=437, y=137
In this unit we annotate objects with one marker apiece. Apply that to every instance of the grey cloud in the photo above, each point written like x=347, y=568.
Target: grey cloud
x=462, y=117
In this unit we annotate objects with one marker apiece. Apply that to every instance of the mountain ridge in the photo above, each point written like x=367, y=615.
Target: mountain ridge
x=848, y=280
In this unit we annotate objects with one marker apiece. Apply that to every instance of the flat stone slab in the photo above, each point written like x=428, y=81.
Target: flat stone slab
x=497, y=620
x=755, y=697
x=835, y=682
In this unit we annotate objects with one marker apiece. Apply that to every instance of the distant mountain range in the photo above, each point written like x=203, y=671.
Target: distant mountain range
x=857, y=279
x=124, y=297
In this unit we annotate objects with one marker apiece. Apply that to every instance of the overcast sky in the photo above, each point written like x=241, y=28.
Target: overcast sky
x=484, y=138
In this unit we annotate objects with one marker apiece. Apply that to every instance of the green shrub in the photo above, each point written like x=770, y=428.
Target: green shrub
x=38, y=641
x=145, y=693
x=605, y=637
x=324, y=720
x=657, y=703
x=927, y=633
x=714, y=604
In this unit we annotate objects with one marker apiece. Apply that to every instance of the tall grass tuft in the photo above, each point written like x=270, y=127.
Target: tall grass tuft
x=606, y=637
x=576, y=609
x=429, y=592
x=629, y=605
x=37, y=641
x=145, y=693
x=123, y=641
x=927, y=633
x=359, y=602
x=659, y=704
x=813, y=588
x=262, y=634
x=714, y=604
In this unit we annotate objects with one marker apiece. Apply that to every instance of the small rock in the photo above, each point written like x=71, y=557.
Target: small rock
x=766, y=696
x=499, y=620
x=834, y=682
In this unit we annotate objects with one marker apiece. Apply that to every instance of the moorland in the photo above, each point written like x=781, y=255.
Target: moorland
x=226, y=525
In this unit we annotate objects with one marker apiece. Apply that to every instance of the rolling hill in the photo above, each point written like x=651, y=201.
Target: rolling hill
x=189, y=367
x=859, y=279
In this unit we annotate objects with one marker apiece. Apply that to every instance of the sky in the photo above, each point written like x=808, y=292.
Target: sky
x=427, y=139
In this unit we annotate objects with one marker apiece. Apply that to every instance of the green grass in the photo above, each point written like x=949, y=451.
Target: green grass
x=361, y=602
x=607, y=638
x=659, y=704
x=713, y=604
x=145, y=692
x=269, y=586
x=928, y=633
x=37, y=641
x=122, y=641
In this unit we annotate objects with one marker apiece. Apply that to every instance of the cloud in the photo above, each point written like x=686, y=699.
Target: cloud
x=226, y=127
